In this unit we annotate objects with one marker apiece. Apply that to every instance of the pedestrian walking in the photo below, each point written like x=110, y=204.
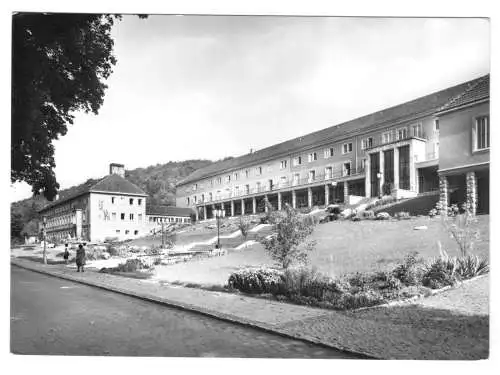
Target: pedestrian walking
x=66, y=253
x=80, y=258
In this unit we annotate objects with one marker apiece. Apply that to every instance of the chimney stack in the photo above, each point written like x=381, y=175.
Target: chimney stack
x=119, y=169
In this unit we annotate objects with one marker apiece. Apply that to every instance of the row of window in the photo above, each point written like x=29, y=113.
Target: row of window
x=283, y=181
x=159, y=219
x=123, y=216
x=130, y=201
x=415, y=130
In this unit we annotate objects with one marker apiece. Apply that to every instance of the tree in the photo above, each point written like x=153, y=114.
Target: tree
x=289, y=244
x=59, y=63
x=16, y=224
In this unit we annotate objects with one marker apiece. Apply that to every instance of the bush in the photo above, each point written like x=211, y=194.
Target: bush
x=402, y=215
x=383, y=216
x=440, y=273
x=289, y=243
x=132, y=265
x=471, y=265
x=368, y=214
x=410, y=272
x=113, y=250
x=243, y=226
x=256, y=280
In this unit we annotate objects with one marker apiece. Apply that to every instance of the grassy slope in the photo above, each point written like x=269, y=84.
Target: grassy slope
x=342, y=247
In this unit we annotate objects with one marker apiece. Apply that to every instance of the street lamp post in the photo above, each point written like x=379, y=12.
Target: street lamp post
x=218, y=215
x=44, y=219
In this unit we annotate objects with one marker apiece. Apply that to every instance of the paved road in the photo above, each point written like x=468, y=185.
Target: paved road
x=54, y=316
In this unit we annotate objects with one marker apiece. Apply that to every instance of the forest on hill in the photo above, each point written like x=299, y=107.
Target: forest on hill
x=158, y=181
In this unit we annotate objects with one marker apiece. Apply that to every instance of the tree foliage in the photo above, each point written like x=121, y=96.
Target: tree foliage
x=290, y=244
x=59, y=65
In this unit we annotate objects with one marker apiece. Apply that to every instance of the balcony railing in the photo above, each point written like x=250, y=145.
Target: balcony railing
x=322, y=177
x=394, y=139
x=429, y=156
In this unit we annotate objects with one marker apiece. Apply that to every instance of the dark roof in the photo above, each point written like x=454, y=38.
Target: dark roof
x=168, y=211
x=419, y=107
x=477, y=90
x=112, y=183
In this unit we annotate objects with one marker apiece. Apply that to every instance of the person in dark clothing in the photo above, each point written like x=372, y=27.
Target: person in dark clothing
x=66, y=253
x=80, y=258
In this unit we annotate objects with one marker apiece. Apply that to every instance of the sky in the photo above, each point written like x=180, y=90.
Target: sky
x=208, y=87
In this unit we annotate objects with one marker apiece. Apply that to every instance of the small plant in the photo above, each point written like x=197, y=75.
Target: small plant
x=471, y=265
x=441, y=272
x=132, y=265
x=243, y=226
x=410, y=272
x=383, y=216
x=289, y=244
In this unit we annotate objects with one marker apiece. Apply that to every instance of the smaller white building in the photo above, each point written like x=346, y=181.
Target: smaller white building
x=109, y=208
x=168, y=214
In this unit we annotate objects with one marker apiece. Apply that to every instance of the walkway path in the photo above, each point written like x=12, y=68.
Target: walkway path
x=424, y=330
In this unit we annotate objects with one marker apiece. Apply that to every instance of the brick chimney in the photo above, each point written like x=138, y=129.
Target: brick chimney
x=119, y=169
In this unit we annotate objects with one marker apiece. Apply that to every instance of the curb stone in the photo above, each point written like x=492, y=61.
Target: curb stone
x=199, y=310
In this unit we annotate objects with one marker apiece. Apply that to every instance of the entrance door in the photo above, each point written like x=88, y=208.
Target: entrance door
x=374, y=169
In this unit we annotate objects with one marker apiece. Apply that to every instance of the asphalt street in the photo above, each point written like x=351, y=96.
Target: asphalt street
x=51, y=316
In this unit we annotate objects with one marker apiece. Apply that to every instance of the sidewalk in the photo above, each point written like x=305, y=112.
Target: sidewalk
x=423, y=330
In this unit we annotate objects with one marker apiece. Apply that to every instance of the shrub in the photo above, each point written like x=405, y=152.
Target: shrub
x=368, y=214
x=410, y=272
x=289, y=244
x=471, y=265
x=256, y=280
x=113, y=250
x=387, y=280
x=243, y=226
x=383, y=216
x=132, y=265
x=402, y=215
x=440, y=273
x=387, y=188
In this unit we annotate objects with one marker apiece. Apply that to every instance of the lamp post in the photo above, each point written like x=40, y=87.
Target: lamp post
x=218, y=215
x=44, y=220
x=379, y=176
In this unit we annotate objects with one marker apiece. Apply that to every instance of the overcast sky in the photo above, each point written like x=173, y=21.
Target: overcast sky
x=207, y=87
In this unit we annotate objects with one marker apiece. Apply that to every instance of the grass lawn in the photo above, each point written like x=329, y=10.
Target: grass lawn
x=342, y=247
x=201, y=234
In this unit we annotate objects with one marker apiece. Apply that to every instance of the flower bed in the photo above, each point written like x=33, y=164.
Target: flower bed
x=414, y=277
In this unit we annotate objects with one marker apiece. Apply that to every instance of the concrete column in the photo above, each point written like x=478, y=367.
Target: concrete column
x=309, y=197
x=294, y=199
x=213, y=211
x=254, y=203
x=265, y=203
x=196, y=213
x=242, y=207
x=471, y=196
x=232, y=208
x=381, y=170
x=443, y=194
x=346, y=192
x=279, y=201
x=367, y=176
x=205, y=213
x=396, y=168
x=327, y=195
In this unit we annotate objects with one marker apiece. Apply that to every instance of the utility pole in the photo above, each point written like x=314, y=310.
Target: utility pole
x=162, y=235
x=44, y=240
